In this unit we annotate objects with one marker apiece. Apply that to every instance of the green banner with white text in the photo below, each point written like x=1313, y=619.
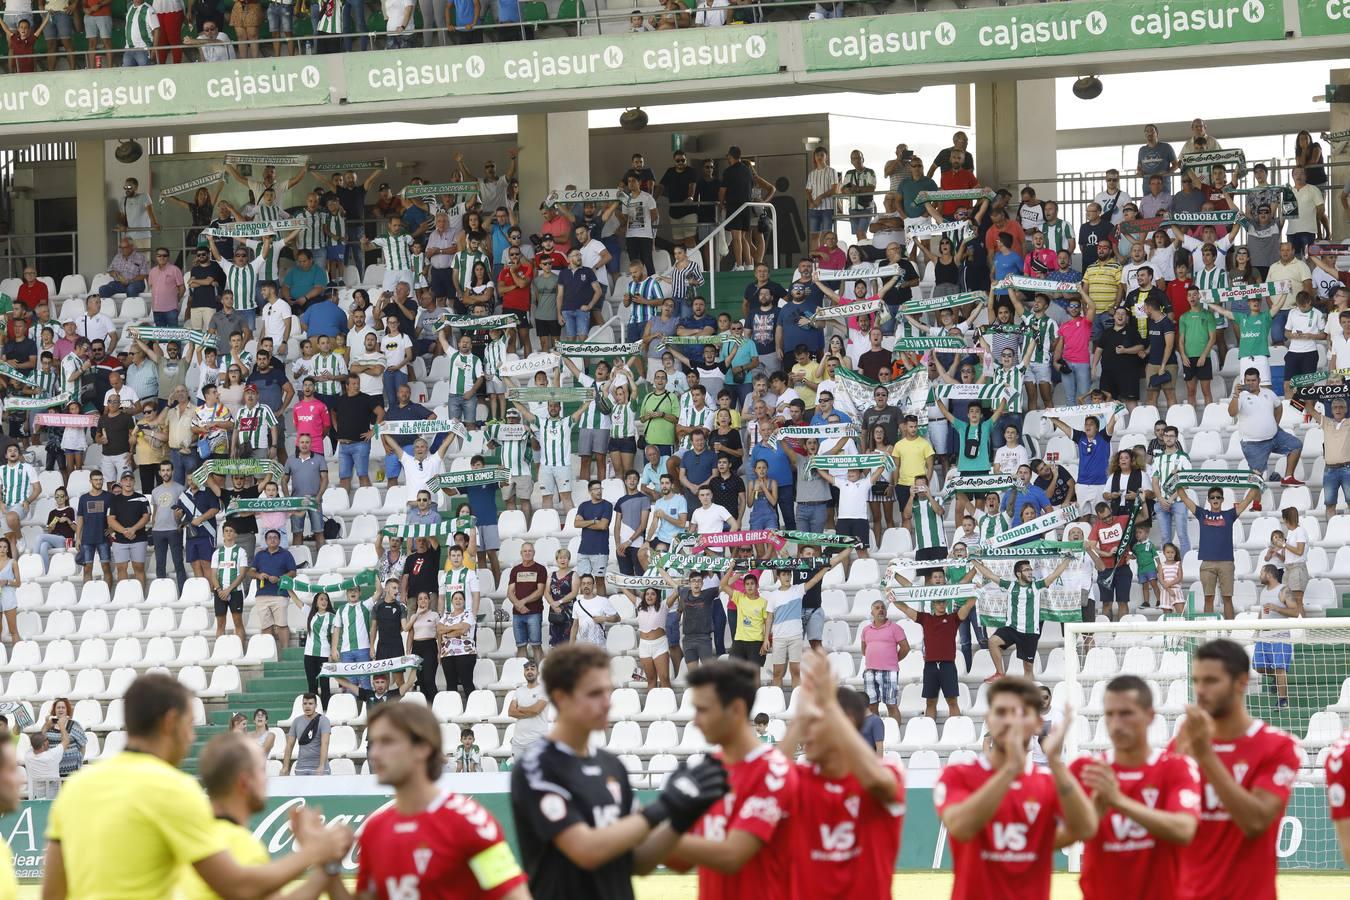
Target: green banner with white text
x=162, y=91
x=561, y=64
x=1305, y=835
x=1319, y=18
x=1058, y=29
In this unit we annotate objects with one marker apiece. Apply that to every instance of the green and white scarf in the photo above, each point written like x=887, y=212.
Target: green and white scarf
x=860, y=388
x=920, y=344
x=582, y=195
x=959, y=230
x=1102, y=411
x=421, y=191
x=690, y=340
x=440, y=529
x=1207, y=478
x=360, y=581
x=175, y=335
x=370, y=667
x=1208, y=159
x=819, y=539
x=636, y=582
x=1319, y=376
x=819, y=432
x=271, y=504
x=1039, y=285
x=597, y=350
x=857, y=273
x=1246, y=292
x=866, y=461
x=1054, y=519
x=375, y=164
x=254, y=229
x=469, y=478
x=518, y=368
x=977, y=484
x=933, y=304
x=29, y=404
x=550, y=394
x=1034, y=550
x=277, y=160
x=406, y=427
x=1208, y=217
x=680, y=562
x=191, y=185
x=477, y=323
x=964, y=194
x=254, y=467
x=917, y=595
x=17, y=375
x=846, y=310
x=982, y=393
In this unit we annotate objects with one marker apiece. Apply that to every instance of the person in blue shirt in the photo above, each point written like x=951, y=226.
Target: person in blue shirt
x=1094, y=455
x=305, y=281
x=741, y=356
x=826, y=414
x=404, y=410
x=780, y=470
x=464, y=30
x=696, y=464
x=794, y=323
x=580, y=292
x=699, y=323
x=324, y=317
x=1025, y=494
x=1006, y=261
x=271, y=565
x=483, y=507
x=593, y=518
x=670, y=516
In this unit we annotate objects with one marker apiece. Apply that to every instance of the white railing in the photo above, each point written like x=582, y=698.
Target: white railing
x=721, y=228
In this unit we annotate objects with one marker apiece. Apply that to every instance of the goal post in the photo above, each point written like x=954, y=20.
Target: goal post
x=1304, y=662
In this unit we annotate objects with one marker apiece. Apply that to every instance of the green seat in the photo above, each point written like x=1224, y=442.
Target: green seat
x=570, y=10
x=534, y=11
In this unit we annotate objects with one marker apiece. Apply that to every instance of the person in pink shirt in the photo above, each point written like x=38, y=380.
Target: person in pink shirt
x=884, y=645
x=66, y=342
x=829, y=255
x=310, y=415
x=1076, y=334
x=166, y=289
x=1041, y=260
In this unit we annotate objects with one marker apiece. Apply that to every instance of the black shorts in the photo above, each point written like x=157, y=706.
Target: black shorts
x=1026, y=643
x=740, y=221
x=939, y=675
x=1300, y=363
x=547, y=327
x=902, y=495
x=881, y=491
x=930, y=553
x=1203, y=372
x=1090, y=611
x=522, y=317
x=234, y=603
x=1121, y=386
x=854, y=528
x=623, y=445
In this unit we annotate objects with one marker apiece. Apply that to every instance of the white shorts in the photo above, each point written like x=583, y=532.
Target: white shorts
x=1259, y=363
x=1038, y=373
x=393, y=276
x=786, y=649
x=653, y=649
x=1090, y=494
x=555, y=479
x=683, y=227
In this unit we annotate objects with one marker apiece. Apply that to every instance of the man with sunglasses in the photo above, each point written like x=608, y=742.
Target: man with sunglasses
x=679, y=184
x=205, y=281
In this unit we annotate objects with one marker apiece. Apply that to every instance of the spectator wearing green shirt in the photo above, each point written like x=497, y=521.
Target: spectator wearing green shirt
x=913, y=183
x=1146, y=560
x=658, y=414
x=974, y=441
x=1197, y=336
x=1253, y=328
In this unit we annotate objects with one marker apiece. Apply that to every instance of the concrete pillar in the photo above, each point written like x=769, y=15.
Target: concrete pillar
x=93, y=206
x=1015, y=132
x=963, y=117
x=1339, y=154
x=555, y=151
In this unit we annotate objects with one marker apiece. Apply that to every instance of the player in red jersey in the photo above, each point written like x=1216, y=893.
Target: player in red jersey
x=1338, y=791
x=742, y=844
x=432, y=844
x=1147, y=801
x=1247, y=770
x=850, y=804
x=1003, y=813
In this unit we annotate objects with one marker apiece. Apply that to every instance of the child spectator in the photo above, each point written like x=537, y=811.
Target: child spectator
x=762, y=729
x=1146, y=557
x=21, y=39
x=1169, y=575
x=467, y=757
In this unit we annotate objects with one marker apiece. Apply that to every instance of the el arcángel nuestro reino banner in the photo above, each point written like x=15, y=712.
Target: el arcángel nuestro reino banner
x=561, y=64
x=163, y=91
x=1058, y=29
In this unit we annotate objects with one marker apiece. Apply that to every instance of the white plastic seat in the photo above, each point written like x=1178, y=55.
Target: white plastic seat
x=341, y=709
x=192, y=651
x=261, y=648
x=481, y=706
x=341, y=741
x=920, y=733
x=225, y=680
x=193, y=678
x=1324, y=728
x=89, y=685
x=55, y=683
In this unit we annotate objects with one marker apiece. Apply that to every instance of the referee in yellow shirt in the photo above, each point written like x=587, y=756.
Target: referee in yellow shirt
x=123, y=828
x=234, y=773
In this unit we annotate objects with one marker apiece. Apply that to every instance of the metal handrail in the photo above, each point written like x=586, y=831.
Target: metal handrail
x=722, y=227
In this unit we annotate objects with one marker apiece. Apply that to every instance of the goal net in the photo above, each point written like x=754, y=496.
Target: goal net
x=1302, y=687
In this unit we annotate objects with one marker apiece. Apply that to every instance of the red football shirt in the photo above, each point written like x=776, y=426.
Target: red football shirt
x=762, y=799
x=1338, y=778
x=1012, y=855
x=1123, y=859
x=844, y=843
x=1221, y=862
x=454, y=850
